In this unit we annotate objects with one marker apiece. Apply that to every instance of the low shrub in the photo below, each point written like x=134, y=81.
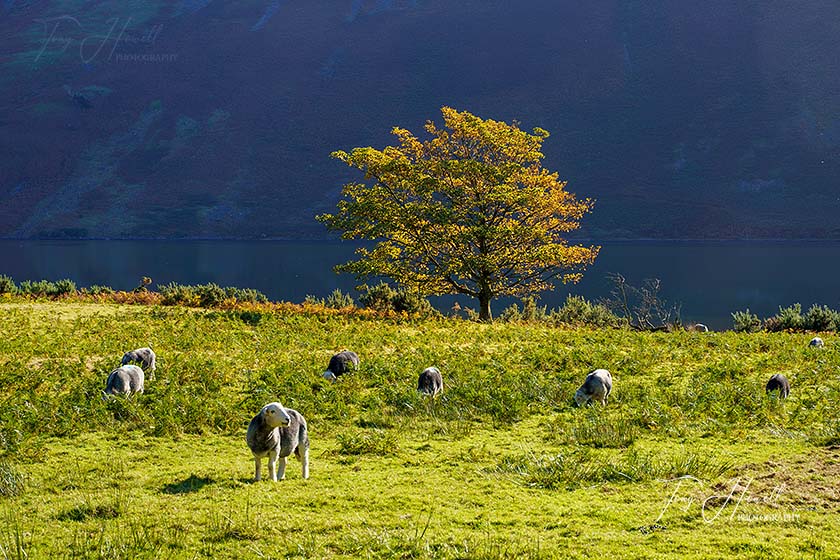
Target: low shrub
x=577, y=311
x=245, y=295
x=820, y=318
x=64, y=287
x=384, y=298
x=336, y=300
x=209, y=295
x=530, y=311
x=178, y=294
x=744, y=321
x=96, y=290
x=45, y=288
x=788, y=319
x=36, y=289
x=7, y=285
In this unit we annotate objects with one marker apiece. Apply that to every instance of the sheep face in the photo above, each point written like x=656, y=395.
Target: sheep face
x=581, y=398
x=275, y=415
x=329, y=375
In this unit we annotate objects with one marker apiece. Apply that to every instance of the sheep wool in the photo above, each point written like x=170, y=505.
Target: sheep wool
x=277, y=432
x=596, y=387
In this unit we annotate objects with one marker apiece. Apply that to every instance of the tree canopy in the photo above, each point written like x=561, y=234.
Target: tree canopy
x=469, y=210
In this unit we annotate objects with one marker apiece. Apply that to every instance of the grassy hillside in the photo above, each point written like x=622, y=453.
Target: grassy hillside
x=502, y=465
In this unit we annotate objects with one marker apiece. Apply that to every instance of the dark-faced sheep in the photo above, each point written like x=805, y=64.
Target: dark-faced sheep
x=125, y=380
x=816, y=342
x=276, y=433
x=596, y=387
x=700, y=327
x=341, y=363
x=430, y=382
x=779, y=383
x=143, y=356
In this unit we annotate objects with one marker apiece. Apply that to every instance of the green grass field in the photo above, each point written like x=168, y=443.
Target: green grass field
x=501, y=466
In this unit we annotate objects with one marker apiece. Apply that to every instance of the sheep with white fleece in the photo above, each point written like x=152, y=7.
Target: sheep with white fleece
x=277, y=432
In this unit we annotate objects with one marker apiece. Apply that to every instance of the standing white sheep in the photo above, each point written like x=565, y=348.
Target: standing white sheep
x=143, y=356
x=125, y=380
x=341, y=363
x=596, y=387
x=430, y=382
x=276, y=433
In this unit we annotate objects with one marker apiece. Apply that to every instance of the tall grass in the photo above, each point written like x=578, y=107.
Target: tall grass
x=12, y=481
x=216, y=370
x=368, y=442
x=585, y=467
x=16, y=539
x=594, y=429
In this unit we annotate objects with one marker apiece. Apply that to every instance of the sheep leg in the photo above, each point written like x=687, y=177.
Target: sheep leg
x=304, y=459
x=272, y=464
x=281, y=469
x=257, y=469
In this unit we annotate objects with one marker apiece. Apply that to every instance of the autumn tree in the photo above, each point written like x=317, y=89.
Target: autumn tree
x=468, y=210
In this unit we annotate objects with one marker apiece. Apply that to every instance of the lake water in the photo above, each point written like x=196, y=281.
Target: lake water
x=709, y=279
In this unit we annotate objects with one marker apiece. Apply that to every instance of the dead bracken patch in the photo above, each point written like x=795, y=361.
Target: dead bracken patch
x=804, y=482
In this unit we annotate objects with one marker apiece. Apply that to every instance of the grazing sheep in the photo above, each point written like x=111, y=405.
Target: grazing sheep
x=779, y=383
x=277, y=432
x=596, y=386
x=341, y=363
x=430, y=382
x=125, y=380
x=816, y=342
x=145, y=357
x=700, y=327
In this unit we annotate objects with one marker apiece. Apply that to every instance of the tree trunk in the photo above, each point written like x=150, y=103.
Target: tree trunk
x=484, y=313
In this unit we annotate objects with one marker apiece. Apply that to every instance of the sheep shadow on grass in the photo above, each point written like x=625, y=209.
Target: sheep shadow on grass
x=187, y=486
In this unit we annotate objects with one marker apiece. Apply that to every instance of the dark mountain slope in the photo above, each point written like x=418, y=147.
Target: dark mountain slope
x=204, y=118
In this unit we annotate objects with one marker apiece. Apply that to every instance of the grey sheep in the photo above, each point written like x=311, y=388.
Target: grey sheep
x=143, y=356
x=341, y=363
x=596, y=387
x=816, y=342
x=779, y=383
x=430, y=382
x=125, y=380
x=276, y=433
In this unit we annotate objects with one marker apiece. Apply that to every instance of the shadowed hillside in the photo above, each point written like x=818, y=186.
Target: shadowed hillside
x=202, y=118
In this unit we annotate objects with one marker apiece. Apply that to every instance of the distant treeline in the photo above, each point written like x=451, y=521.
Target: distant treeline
x=387, y=301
